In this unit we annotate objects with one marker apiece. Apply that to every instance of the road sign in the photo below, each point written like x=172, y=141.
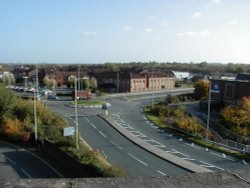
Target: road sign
x=68, y=131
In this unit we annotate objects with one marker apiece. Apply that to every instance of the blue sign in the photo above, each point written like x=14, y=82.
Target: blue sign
x=68, y=131
x=215, y=88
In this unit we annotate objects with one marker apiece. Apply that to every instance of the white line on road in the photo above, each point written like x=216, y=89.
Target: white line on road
x=161, y=173
x=119, y=147
x=102, y=134
x=188, y=159
x=210, y=165
x=86, y=119
x=169, y=135
x=139, y=134
x=245, y=163
x=137, y=159
x=192, y=145
x=93, y=125
x=9, y=160
x=26, y=173
x=180, y=153
x=222, y=156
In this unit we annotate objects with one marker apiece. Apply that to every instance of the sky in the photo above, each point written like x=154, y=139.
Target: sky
x=100, y=31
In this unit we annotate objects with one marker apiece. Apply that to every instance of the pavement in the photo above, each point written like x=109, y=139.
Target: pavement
x=156, y=151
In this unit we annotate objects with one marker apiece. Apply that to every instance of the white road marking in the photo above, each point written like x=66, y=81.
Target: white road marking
x=137, y=159
x=102, y=134
x=192, y=145
x=9, y=160
x=139, y=134
x=161, y=173
x=188, y=159
x=180, y=153
x=169, y=135
x=158, y=144
x=180, y=139
x=245, y=163
x=93, y=125
x=112, y=142
x=86, y=119
x=222, y=156
x=210, y=165
x=26, y=173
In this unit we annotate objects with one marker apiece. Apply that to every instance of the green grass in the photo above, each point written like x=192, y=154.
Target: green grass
x=88, y=102
x=156, y=120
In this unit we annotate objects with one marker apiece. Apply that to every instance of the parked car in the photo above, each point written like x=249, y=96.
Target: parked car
x=53, y=97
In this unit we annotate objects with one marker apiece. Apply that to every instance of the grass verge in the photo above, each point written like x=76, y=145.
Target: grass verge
x=88, y=102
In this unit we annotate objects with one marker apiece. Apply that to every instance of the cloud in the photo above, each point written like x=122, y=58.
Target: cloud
x=202, y=34
x=89, y=33
x=234, y=22
x=158, y=20
x=212, y=3
x=148, y=30
x=197, y=14
x=127, y=28
x=205, y=33
x=154, y=18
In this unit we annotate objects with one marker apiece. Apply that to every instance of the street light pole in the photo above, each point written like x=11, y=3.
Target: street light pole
x=208, y=110
x=35, y=98
x=76, y=117
x=153, y=95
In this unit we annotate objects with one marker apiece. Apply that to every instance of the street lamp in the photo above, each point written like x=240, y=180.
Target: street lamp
x=76, y=116
x=208, y=110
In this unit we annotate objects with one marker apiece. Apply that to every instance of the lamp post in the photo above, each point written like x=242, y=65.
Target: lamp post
x=35, y=98
x=208, y=110
x=153, y=95
x=76, y=116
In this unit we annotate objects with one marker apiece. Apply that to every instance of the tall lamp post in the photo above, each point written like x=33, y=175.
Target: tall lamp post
x=35, y=98
x=76, y=116
x=208, y=110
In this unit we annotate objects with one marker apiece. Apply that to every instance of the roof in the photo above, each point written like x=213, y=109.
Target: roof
x=243, y=76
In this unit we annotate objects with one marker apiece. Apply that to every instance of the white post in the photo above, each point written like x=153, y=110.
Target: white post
x=208, y=109
x=76, y=116
x=35, y=98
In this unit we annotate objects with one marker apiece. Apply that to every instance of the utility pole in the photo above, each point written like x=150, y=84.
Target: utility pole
x=35, y=98
x=208, y=110
x=117, y=82
x=76, y=117
x=153, y=95
x=79, y=75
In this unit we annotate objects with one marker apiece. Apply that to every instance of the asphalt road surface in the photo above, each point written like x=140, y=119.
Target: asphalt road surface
x=18, y=163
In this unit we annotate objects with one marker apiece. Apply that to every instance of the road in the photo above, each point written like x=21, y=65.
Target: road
x=131, y=115
x=119, y=150
x=127, y=112
x=19, y=163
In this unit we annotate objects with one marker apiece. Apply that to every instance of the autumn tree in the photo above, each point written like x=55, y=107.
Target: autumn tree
x=238, y=117
x=201, y=89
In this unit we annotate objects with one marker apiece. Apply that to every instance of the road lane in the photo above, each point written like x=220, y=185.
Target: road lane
x=18, y=163
x=123, y=152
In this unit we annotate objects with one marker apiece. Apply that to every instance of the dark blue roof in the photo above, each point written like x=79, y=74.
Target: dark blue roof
x=243, y=76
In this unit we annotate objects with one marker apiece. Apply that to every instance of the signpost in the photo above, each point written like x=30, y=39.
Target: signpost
x=68, y=131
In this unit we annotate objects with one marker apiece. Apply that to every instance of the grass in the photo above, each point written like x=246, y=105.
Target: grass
x=88, y=102
x=156, y=120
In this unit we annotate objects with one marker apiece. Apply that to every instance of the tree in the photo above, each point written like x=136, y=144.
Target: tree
x=71, y=81
x=238, y=117
x=7, y=102
x=201, y=89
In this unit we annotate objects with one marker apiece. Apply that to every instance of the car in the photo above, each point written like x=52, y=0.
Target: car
x=53, y=97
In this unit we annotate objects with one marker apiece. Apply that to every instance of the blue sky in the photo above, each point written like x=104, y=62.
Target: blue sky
x=99, y=31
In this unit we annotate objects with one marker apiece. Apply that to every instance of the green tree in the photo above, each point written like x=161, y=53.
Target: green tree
x=201, y=89
x=7, y=102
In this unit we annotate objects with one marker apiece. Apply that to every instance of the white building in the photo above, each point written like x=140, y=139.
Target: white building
x=181, y=75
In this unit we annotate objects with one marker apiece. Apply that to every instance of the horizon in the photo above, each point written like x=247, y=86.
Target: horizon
x=116, y=31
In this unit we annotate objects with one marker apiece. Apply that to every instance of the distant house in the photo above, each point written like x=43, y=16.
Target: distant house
x=230, y=91
x=135, y=82
x=180, y=76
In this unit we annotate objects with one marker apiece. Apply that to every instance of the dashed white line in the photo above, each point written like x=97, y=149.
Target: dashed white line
x=222, y=156
x=188, y=159
x=102, y=134
x=139, y=134
x=119, y=147
x=245, y=163
x=161, y=173
x=9, y=160
x=180, y=153
x=86, y=119
x=137, y=159
x=26, y=173
x=169, y=135
x=192, y=145
x=93, y=125
x=210, y=165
